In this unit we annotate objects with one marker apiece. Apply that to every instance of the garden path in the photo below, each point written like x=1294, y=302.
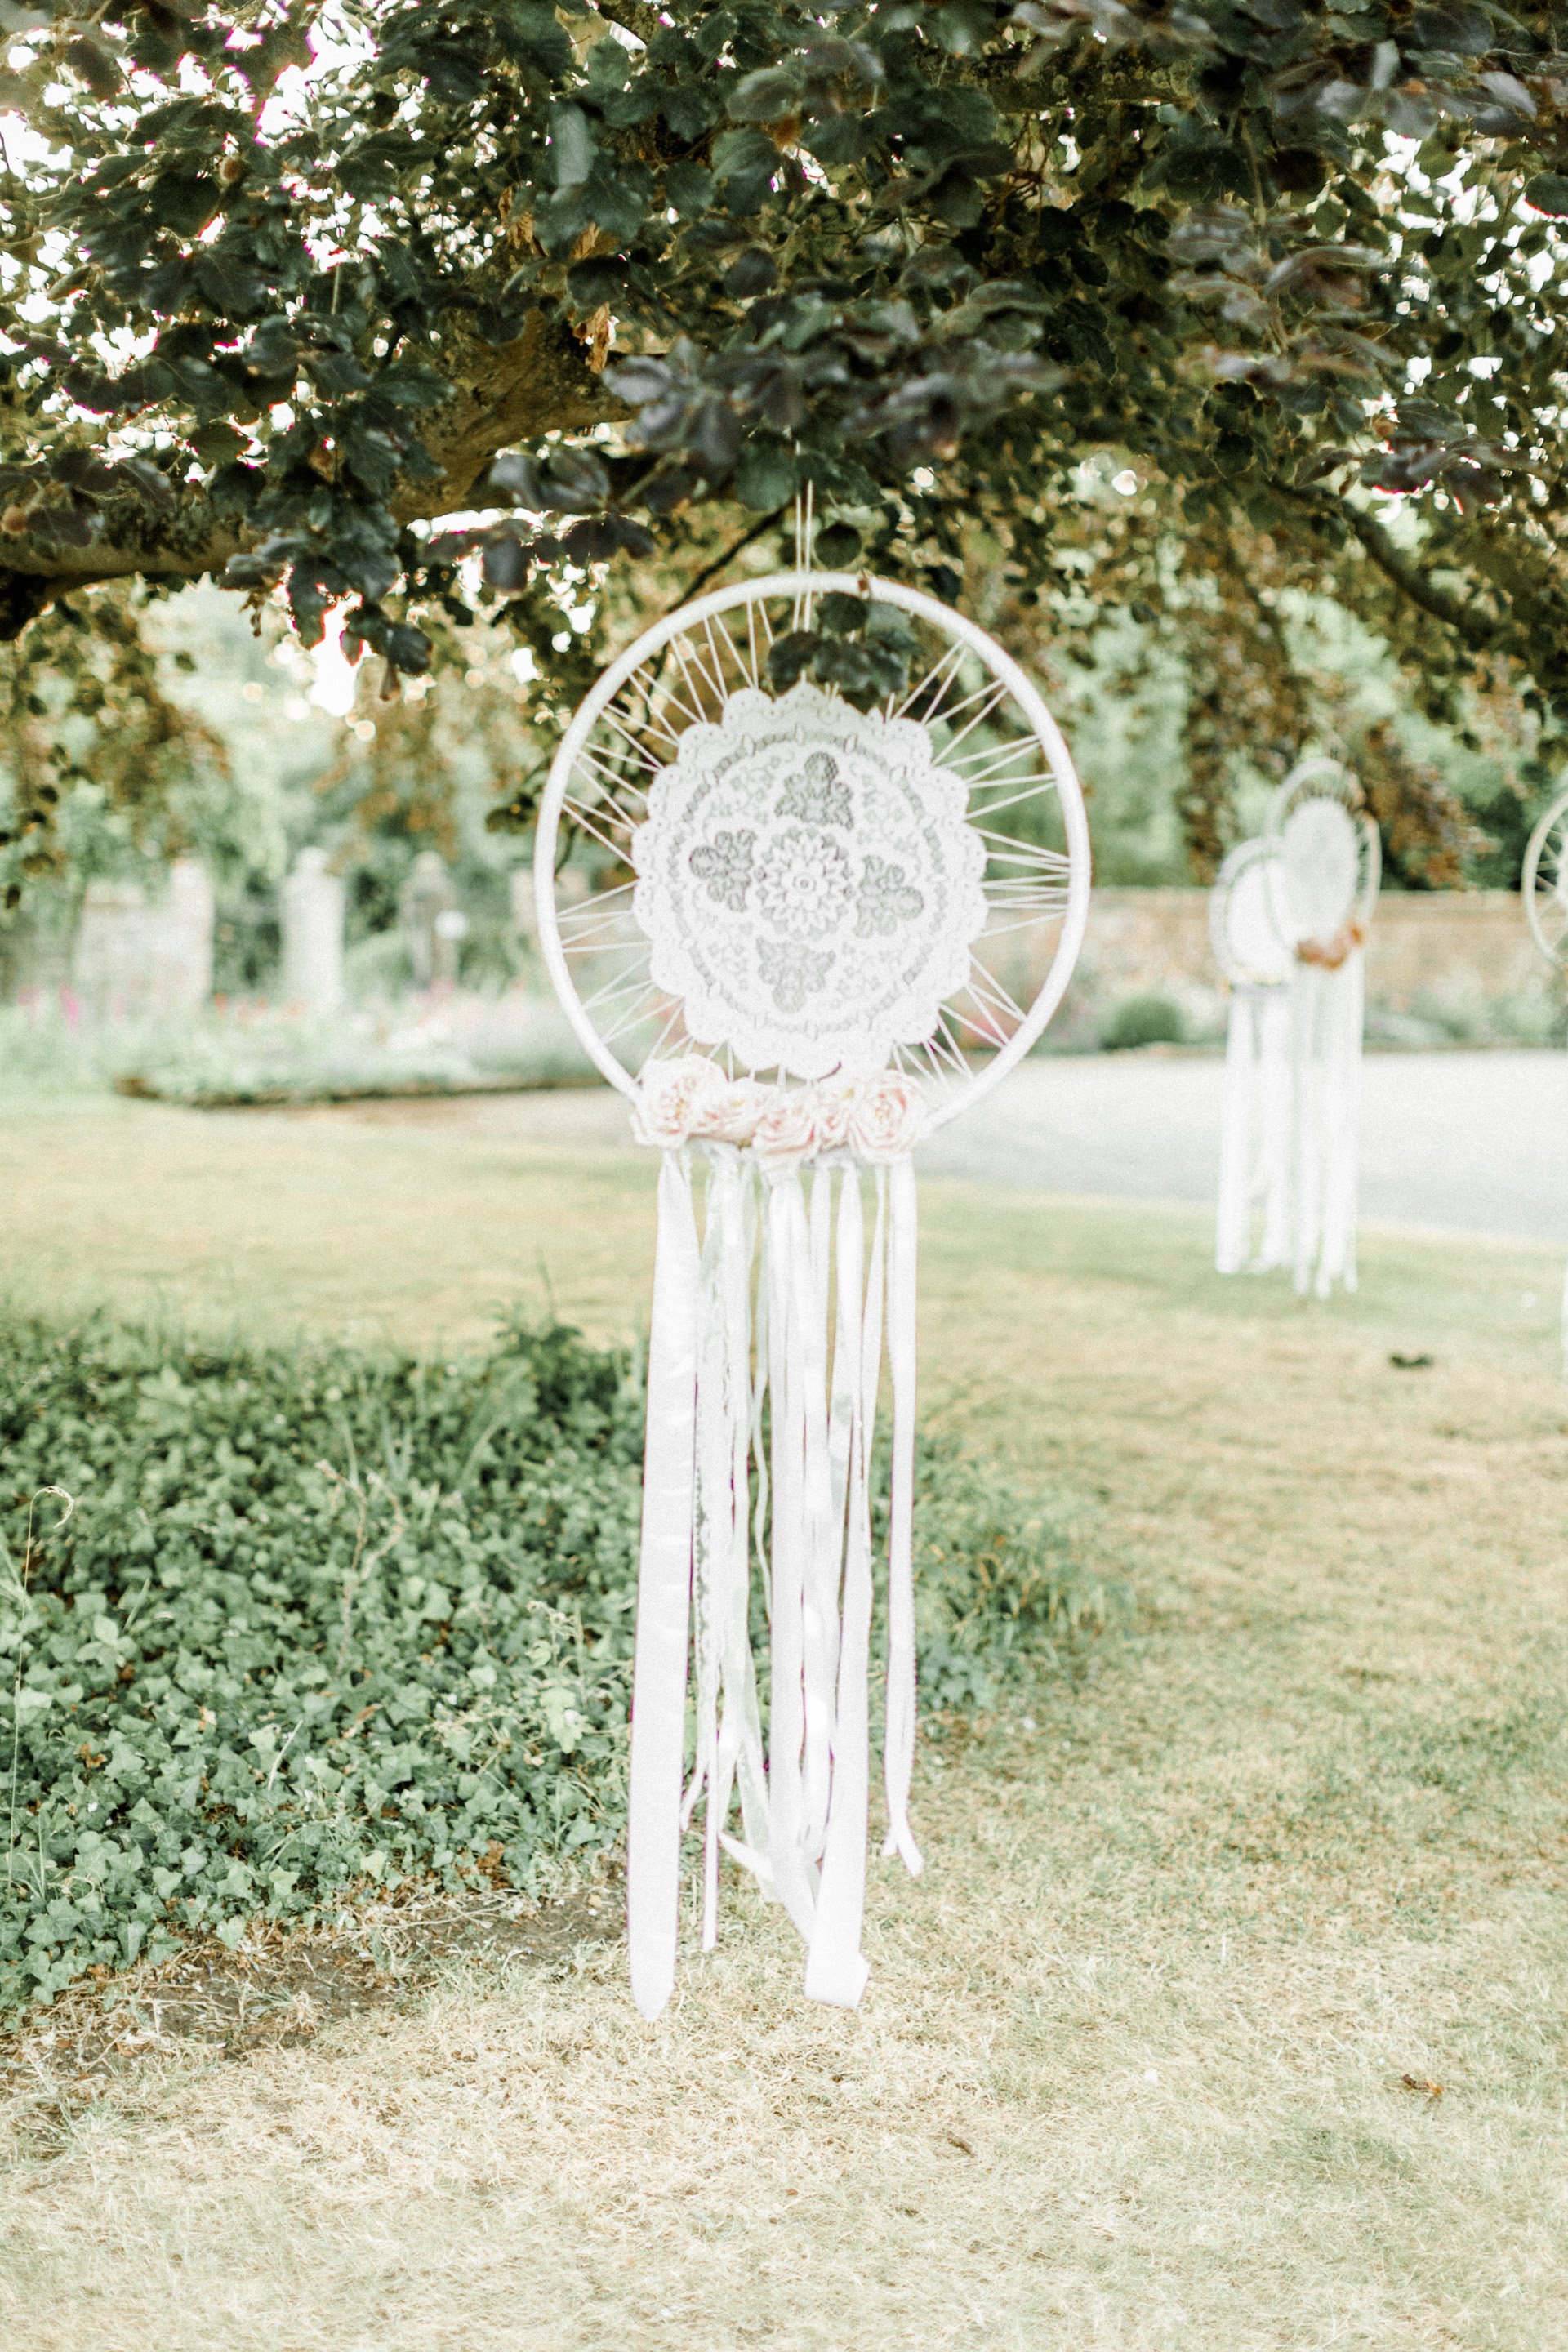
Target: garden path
x=1464, y=1142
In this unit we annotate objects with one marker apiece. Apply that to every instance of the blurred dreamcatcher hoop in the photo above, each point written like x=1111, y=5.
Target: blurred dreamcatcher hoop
x=826, y=913
x=1544, y=883
x=1324, y=882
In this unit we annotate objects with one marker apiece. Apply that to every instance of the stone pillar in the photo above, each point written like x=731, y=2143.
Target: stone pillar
x=431, y=923
x=186, y=924
x=313, y=905
x=109, y=957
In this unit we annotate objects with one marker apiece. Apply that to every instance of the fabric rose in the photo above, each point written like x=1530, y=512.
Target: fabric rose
x=679, y=1098
x=887, y=1119
x=835, y=1106
x=736, y=1111
x=786, y=1131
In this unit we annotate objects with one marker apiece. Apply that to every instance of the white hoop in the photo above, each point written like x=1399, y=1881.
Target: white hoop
x=1322, y=778
x=1240, y=896
x=1066, y=899
x=1543, y=882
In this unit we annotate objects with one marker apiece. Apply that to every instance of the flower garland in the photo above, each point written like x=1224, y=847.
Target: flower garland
x=689, y=1098
x=1333, y=954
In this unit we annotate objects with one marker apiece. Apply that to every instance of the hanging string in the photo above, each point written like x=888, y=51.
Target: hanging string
x=805, y=552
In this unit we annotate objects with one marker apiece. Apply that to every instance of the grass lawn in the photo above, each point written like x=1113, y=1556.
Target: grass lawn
x=1149, y=2055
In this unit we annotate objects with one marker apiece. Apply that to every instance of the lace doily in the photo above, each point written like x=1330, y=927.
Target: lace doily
x=809, y=883
x=1242, y=926
x=1319, y=867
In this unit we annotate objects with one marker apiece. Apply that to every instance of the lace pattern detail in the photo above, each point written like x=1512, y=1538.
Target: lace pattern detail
x=809, y=881
x=724, y=864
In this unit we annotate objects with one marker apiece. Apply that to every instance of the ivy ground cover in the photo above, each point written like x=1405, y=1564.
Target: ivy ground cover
x=286, y=1625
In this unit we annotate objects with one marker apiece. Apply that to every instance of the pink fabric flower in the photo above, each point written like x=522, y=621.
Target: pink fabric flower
x=787, y=1129
x=887, y=1119
x=737, y=1110
x=679, y=1098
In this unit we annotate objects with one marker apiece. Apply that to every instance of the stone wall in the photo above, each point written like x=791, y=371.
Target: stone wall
x=1458, y=962
x=134, y=954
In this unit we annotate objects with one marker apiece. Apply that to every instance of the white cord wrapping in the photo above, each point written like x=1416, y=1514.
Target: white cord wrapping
x=804, y=1812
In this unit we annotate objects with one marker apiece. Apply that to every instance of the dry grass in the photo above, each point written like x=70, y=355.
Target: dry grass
x=1131, y=2072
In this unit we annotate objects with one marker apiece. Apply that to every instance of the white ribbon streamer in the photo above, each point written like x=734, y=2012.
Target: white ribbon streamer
x=1326, y=1020
x=712, y=1382
x=664, y=1588
x=836, y=1971
x=788, y=1274
x=898, y=1738
x=1255, y=1133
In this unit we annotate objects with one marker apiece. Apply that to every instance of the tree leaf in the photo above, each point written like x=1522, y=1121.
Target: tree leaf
x=1547, y=193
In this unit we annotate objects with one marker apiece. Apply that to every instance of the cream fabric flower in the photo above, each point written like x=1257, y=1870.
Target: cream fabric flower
x=679, y=1098
x=887, y=1119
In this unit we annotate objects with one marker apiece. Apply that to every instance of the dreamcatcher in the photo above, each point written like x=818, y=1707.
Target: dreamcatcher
x=1255, y=1131
x=816, y=932
x=1323, y=887
x=1544, y=885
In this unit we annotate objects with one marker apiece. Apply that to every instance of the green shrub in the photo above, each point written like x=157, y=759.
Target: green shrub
x=321, y=1622
x=997, y=1578
x=281, y=1057
x=1146, y=1020
x=250, y=1055
x=318, y=1620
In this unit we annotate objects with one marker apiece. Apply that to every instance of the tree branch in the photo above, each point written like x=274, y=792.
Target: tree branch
x=539, y=384
x=1086, y=75
x=1476, y=628
x=711, y=571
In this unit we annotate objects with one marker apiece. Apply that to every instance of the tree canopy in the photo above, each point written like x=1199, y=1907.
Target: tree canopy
x=420, y=307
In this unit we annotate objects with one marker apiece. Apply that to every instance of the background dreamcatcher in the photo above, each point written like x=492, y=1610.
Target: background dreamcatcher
x=1255, y=1120
x=837, y=875
x=1323, y=884
x=1544, y=885
x=1289, y=920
